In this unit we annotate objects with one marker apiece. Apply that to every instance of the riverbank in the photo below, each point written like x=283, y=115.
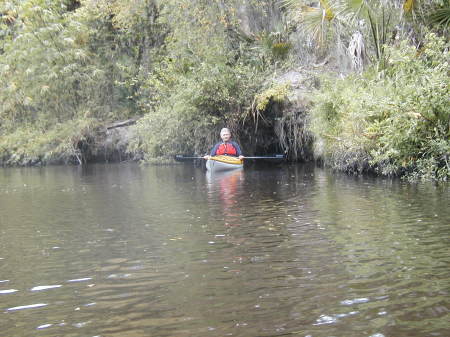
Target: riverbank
x=394, y=125
x=370, y=95
x=76, y=142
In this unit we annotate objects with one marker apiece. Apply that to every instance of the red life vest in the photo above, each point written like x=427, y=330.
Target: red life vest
x=226, y=148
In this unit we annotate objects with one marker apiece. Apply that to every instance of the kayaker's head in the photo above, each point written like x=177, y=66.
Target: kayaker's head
x=225, y=134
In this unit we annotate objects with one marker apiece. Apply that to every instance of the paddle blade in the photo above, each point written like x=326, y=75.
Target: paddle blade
x=180, y=157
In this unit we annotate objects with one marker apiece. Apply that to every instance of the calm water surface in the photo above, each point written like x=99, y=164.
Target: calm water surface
x=123, y=250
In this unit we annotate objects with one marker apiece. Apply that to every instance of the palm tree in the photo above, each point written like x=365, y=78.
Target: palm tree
x=365, y=25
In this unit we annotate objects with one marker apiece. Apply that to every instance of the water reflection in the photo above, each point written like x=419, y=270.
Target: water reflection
x=224, y=189
x=123, y=250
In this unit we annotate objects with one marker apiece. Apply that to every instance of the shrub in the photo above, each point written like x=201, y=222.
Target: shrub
x=395, y=122
x=60, y=143
x=190, y=117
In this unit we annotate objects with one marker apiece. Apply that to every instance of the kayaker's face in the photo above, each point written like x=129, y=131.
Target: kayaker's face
x=225, y=136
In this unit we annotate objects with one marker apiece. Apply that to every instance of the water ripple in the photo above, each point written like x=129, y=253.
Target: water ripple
x=355, y=301
x=280, y=253
x=44, y=326
x=41, y=288
x=79, y=280
x=30, y=306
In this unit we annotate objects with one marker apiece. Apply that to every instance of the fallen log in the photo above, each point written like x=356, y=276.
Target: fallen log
x=121, y=124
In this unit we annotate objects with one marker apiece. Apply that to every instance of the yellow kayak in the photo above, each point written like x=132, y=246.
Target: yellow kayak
x=224, y=163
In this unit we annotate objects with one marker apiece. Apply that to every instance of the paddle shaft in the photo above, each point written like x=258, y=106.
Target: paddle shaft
x=183, y=157
x=280, y=156
x=262, y=157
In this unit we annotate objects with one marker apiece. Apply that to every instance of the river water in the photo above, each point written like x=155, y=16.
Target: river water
x=123, y=250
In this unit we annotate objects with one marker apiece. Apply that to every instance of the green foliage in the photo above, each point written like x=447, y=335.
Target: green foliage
x=333, y=25
x=185, y=65
x=397, y=124
x=56, y=67
x=61, y=143
x=213, y=96
x=65, y=62
x=440, y=14
x=272, y=48
x=190, y=67
x=201, y=83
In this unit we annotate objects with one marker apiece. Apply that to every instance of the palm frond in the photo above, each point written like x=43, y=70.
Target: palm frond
x=441, y=17
x=348, y=12
x=291, y=5
x=314, y=21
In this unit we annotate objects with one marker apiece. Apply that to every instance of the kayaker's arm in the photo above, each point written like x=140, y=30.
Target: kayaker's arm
x=238, y=150
x=214, y=149
x=237, y=147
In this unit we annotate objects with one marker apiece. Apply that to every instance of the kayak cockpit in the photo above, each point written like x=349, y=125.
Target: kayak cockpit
x=224, y=163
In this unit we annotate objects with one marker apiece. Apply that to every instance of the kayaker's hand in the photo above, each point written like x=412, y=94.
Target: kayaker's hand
x=206, y=157
x=241, y=157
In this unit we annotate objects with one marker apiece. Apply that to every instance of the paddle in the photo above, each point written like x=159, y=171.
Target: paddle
x=277, y=156
x=181, y=157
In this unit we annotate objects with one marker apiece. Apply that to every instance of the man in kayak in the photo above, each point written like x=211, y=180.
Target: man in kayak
x=226, y=147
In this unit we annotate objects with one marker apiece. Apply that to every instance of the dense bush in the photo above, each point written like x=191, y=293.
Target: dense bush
x=211, y=97
x=66, y=66
x=205, y=78
x=61, y=143
x=58, y=64
x=393, y=122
